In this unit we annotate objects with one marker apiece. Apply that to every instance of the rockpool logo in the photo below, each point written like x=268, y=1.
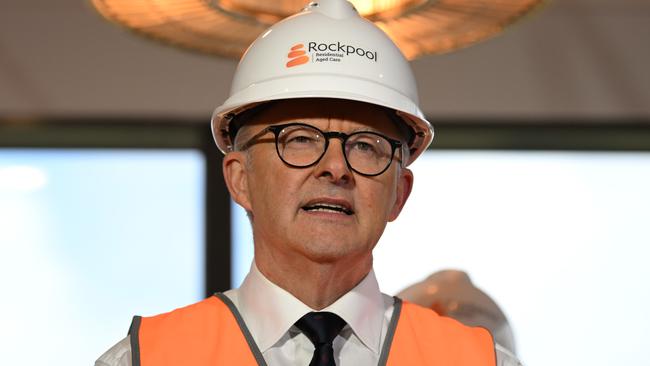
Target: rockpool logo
x=340, y=50
x=297, y=55
x=326, y=52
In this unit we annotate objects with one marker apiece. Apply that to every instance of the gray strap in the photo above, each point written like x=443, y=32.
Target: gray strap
x=134, y=338
x=397, y=310
x=244, y=329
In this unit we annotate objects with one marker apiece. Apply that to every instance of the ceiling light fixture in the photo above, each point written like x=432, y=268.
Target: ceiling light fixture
x=227, y=27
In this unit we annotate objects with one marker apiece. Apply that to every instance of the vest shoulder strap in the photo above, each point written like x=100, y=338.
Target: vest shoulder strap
x=205, y=333
x=422, y=337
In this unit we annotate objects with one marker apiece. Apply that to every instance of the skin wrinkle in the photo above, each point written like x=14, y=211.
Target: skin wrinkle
x=317, y=257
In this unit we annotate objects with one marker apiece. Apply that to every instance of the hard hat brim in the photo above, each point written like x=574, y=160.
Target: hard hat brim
x=323, y=86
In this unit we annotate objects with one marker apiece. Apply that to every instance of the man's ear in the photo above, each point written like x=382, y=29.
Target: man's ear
x=404, y=186
x=236, y=176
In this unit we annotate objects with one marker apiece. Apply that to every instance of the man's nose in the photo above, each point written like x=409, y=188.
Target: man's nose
x=333, y=165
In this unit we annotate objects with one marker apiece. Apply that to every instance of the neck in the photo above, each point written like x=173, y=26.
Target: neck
x=316, y=284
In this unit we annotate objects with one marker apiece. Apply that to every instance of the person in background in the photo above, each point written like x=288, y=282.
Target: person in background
x=318, y=132
x=451, y=293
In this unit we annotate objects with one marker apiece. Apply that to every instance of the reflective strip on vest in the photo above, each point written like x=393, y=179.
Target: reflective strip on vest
x=212, y=332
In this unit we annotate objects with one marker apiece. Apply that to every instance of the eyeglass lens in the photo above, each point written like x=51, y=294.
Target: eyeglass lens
x=366, y=152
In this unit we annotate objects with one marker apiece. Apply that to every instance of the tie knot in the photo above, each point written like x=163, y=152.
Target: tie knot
x=320, y=327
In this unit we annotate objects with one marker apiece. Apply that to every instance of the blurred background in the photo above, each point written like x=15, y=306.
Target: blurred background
x=112, y=204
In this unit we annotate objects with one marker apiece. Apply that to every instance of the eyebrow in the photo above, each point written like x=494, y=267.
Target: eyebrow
x=374, y=130
x=358, y=129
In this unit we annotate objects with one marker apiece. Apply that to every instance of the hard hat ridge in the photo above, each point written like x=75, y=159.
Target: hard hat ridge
x=336, y=9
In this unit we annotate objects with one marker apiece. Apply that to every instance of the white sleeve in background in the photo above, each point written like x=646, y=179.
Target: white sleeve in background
x=505, y=357
x=118, y=355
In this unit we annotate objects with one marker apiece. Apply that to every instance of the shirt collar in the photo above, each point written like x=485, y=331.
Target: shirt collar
x=269, y=311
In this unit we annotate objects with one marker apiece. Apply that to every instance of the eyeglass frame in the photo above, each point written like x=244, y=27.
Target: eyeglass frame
x=276, y=129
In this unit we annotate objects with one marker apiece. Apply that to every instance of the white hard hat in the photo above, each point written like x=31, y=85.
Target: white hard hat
x=326, y=51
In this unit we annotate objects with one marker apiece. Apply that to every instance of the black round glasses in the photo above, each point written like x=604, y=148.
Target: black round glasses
x=300, y=145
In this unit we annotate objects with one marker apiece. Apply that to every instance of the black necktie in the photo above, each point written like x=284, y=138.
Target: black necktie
x=321, y=328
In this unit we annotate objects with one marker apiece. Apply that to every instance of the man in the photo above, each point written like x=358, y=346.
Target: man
x=319, y=128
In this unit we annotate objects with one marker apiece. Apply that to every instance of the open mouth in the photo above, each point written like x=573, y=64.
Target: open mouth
x=328, y=207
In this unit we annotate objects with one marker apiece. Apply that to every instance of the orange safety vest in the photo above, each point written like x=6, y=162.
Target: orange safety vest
x=212, y=332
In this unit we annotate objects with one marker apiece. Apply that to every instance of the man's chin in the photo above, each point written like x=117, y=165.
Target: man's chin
x=329, y=251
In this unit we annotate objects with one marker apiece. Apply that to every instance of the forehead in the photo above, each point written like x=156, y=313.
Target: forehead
x=324, y=113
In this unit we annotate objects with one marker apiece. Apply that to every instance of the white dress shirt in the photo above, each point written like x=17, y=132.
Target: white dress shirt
x=270, y=313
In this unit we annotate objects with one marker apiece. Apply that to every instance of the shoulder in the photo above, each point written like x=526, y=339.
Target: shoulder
x=118, y=355
x=428, y=319
x=191, y=316
x=447, y=340
x=427, y=323
x=209, y=318
x=425, y=319
x=206, y=305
